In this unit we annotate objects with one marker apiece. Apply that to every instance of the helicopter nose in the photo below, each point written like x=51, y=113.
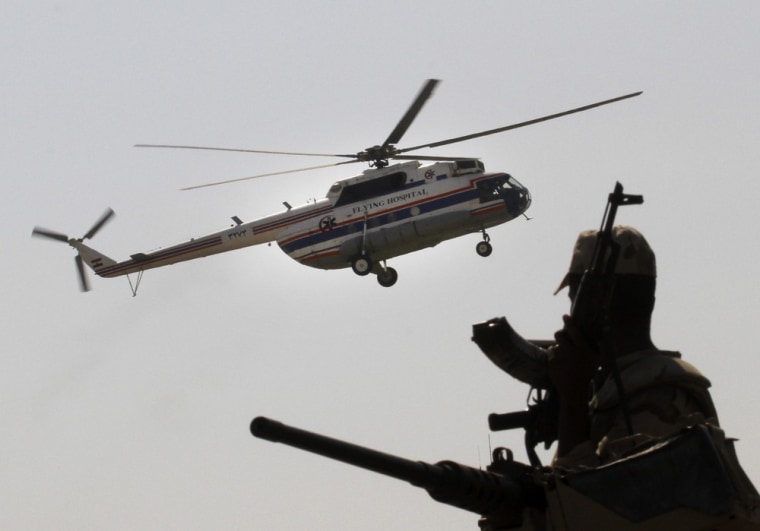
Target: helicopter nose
x=518, y=200
x=525, y=200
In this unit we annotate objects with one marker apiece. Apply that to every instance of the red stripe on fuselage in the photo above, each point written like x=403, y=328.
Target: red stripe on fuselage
x=166, y=254
x=388, y=210
x=295, y=218
x=331, y=252
x=488, y=210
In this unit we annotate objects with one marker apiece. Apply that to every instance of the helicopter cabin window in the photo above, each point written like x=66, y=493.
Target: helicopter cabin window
x=361, y=191
x=468, y=166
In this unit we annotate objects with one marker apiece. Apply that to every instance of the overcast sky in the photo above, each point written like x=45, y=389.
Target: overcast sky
x=124, y=412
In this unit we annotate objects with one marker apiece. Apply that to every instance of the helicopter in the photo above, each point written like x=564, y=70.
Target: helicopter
x=363, y=221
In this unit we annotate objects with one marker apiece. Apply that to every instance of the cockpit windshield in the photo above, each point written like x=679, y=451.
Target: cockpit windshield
x=514, y=182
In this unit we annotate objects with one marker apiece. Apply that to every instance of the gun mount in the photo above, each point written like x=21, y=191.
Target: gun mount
x=500, y=494
x=691, y=481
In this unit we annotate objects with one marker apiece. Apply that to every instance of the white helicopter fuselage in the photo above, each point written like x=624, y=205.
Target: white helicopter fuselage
x=399, y=209
x=378, y=215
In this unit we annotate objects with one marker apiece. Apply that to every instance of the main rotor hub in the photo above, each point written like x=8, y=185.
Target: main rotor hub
x=377, y=156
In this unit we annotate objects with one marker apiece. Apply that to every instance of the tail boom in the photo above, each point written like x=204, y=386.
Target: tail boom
x=219, y=242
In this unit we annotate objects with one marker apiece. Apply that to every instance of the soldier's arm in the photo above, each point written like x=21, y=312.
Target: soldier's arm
x=572, y=364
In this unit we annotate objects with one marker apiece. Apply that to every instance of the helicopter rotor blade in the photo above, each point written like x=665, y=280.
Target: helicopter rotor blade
x=431, y=158
x=521, y=124
x=107, y=215
x=268, y=175
x=240, y=150
x=45, y=233
x=84, y=284
x=411, y=113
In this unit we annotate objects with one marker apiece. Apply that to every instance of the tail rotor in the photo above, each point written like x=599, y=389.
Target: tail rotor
x=107, y=215
x=39, y=231
x=84, y=284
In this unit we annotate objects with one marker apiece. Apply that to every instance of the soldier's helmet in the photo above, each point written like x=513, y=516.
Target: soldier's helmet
x=636, y=256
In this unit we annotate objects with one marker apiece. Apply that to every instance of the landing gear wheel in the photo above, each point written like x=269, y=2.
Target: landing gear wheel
x=362, y=266
x=387, y=277
x=484, y=248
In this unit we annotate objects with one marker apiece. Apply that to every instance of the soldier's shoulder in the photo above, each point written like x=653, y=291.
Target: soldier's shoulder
x=644, y=370
x=659, y=367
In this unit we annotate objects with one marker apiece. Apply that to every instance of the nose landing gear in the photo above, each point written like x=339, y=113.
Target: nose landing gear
x=362, y=265
x=484, y=248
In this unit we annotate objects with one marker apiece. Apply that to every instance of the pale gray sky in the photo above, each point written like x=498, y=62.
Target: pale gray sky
x=133, y=413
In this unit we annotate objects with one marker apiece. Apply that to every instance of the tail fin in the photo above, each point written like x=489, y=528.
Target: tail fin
x=92, y=258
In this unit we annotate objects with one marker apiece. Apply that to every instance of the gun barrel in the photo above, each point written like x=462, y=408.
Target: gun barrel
x=509, y=421
x=397, y=467
x=478, y=491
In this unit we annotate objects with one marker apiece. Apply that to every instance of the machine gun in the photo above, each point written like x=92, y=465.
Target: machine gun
x=501, y=494
x=681, y=483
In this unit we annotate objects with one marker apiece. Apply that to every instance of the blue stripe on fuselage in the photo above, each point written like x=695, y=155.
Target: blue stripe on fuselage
x=402, y=213
x=264, y=227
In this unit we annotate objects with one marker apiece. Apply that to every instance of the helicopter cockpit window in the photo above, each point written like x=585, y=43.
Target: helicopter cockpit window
x=493, y=189
x=514, y=183
x=378, y=186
